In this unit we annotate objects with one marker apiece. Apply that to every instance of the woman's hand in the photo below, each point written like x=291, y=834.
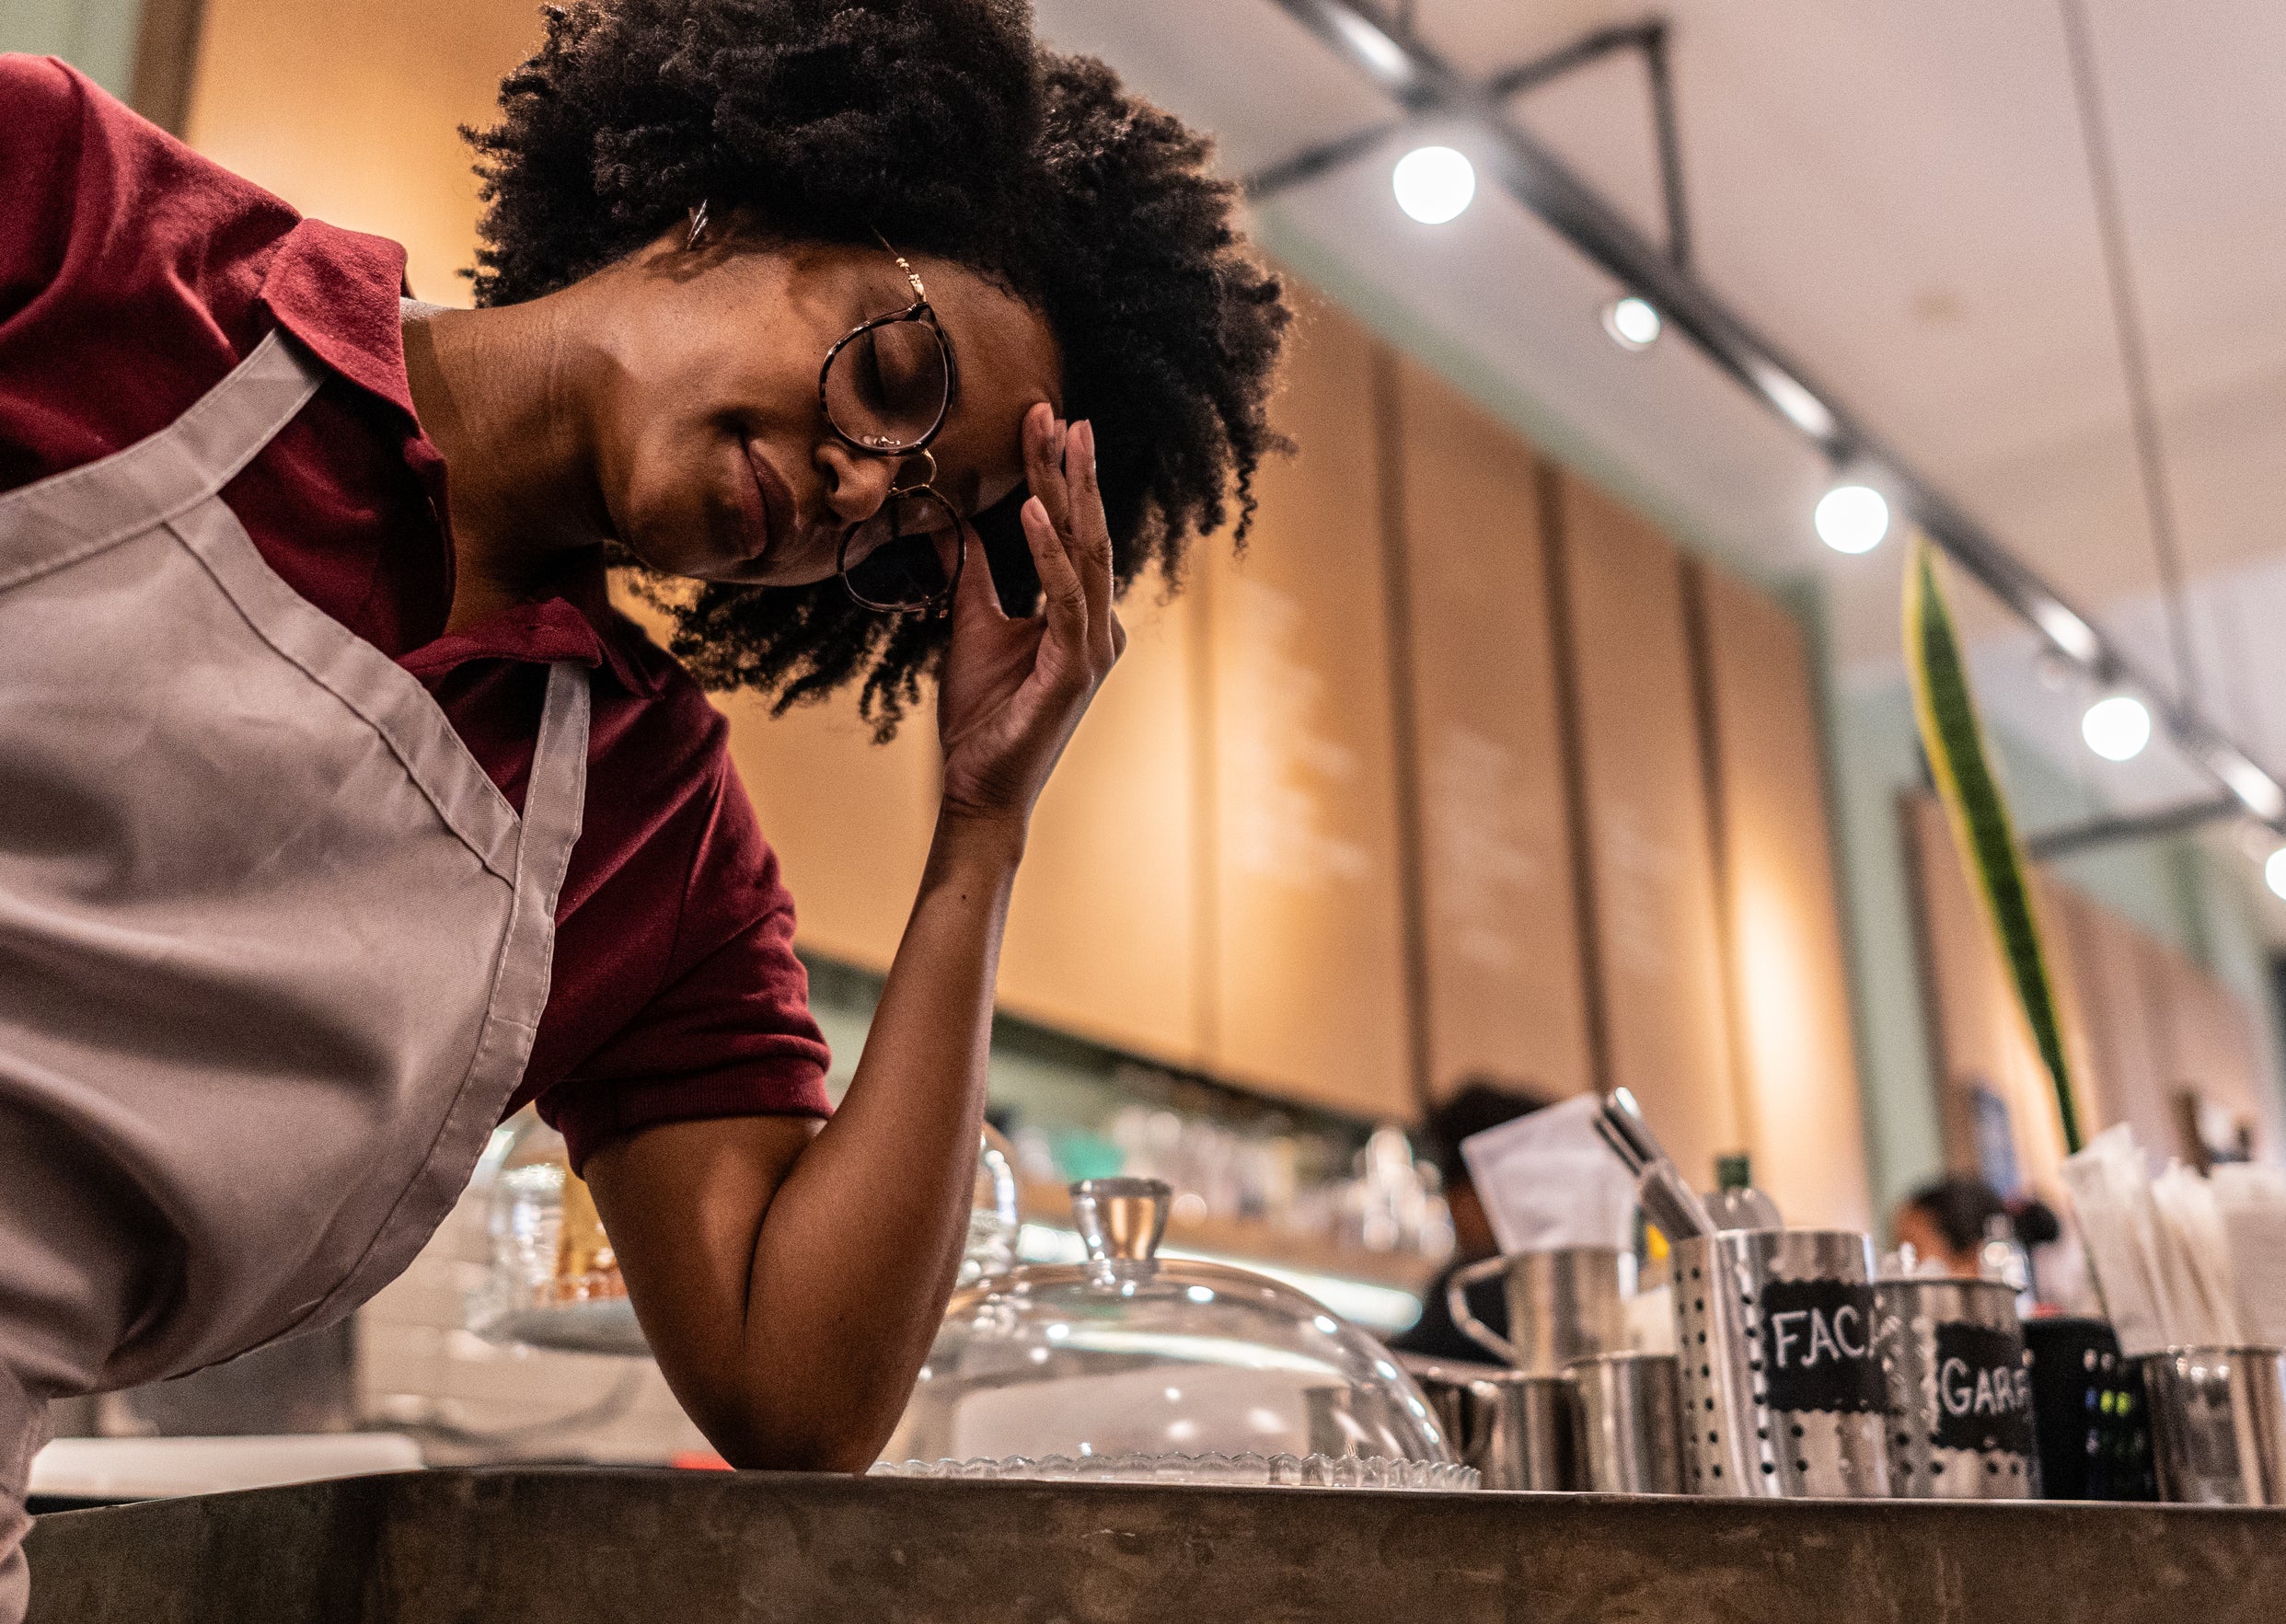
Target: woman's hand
x=1011, y=691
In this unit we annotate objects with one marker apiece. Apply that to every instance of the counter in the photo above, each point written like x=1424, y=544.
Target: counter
x=569, y=1545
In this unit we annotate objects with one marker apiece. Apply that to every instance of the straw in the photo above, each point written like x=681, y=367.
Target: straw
x=2250, y=1202
x=2182, y=1259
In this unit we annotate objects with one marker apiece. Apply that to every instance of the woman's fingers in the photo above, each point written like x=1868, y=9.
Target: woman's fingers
x=1089, y=533
x=1044, y=466
x=1063, y=598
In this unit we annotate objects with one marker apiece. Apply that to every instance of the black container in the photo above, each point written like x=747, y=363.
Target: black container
x=2089, y=1413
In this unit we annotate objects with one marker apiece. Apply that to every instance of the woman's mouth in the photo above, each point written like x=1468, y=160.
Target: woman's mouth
x=776, y=503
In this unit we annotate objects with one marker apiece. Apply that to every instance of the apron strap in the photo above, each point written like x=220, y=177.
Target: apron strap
x=68, y=516
x=554, y=802
x=555, y=795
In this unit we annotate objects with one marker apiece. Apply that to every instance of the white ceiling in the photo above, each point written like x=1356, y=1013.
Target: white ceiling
x=1894, y=191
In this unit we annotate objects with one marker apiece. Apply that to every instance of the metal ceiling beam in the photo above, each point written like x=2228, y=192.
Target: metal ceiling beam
x=1422, y=83
x=2045, y=844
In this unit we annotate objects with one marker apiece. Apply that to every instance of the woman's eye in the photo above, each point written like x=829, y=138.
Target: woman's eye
x=873, y=385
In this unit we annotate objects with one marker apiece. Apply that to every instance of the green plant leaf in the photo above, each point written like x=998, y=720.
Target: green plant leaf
x=1986, y=837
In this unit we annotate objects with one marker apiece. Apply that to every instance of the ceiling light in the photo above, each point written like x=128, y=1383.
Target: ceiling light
x=2274, y=872
x=1632, y=323
x=2116, y=728
x=1433, y=184
x=1852, y=518
x=2074, y=636
x=1382, y=55
x=1803, y=409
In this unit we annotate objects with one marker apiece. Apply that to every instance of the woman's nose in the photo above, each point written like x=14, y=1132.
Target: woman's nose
x=857, y=485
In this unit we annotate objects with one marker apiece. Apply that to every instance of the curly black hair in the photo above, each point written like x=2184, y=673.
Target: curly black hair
x=944, y=125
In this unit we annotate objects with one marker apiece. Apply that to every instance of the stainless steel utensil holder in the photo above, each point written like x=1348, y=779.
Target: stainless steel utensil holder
x=1563, y=1305
x=1520, y=1432
x=1627, y=1423
x=1777, y=1335
x=2218, y=1424
x=1960, y=1391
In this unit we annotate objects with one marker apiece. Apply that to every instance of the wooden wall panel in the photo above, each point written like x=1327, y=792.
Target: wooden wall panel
x=1789, y=987
x=1102, y=933
x=2206, y=1041
x=850, y=819
x=1304, y=965
x=1505, y=995
x=352, y=113
x=1651, y=867
x=1980, y=1031
x=2107, y=978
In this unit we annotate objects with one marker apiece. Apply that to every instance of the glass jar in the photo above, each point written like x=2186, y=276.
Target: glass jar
x=552, y=1281
x=1131, y=1367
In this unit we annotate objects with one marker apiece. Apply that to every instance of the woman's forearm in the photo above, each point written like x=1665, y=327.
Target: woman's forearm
x=859, y=1245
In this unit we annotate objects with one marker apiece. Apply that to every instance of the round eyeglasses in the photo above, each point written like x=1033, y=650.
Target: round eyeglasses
x=895, y=560
x=885, y=388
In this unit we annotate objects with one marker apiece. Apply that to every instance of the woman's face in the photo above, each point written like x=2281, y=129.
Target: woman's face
x=712, y=451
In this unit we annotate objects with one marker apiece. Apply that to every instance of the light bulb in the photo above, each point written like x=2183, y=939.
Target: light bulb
x=1852, y=518
x=1433, y=184
x=2274, y=872
x=1632, y=323
x=2116, y=728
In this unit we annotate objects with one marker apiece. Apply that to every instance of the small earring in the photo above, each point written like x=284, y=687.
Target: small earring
x=698, y=224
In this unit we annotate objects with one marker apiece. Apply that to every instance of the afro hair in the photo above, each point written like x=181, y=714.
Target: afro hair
x=946, y=127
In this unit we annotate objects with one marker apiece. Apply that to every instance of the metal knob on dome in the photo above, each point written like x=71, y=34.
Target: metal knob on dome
x=1121, y=1219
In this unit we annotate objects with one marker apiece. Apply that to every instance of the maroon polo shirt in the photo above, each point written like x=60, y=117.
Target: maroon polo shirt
x=134, y=275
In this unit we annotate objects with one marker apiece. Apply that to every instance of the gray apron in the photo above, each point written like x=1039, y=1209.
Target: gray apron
x=272, y=946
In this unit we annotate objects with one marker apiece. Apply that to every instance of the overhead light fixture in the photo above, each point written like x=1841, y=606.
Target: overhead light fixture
x=2074, y=636
x=1382, y=55
x=1634, y=323
x=1802, y=409
x=2117, y=727
x=1433, y=184
x=2257, y=791
x=1852, y=518
x=2274, y=872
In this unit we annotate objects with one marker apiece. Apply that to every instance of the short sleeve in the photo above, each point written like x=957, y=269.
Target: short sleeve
x=729, y=1033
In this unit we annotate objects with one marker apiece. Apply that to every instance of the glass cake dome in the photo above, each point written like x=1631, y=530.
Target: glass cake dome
x=1131, y=1367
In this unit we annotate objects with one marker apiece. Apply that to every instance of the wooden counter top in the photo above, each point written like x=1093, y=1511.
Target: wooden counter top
x=571, y=1546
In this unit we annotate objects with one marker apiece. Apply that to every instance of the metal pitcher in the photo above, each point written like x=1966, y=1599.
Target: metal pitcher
x=2218, y=1424
x=1627, y=1421
x=1960, y=1391
x=1565, y=1303
x=1778, y=1336
x=1516, y=1430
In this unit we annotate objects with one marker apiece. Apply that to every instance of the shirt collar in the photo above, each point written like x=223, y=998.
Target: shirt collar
x=578, y=624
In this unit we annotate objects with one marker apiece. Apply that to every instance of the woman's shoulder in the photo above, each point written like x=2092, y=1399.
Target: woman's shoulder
x=130, y=271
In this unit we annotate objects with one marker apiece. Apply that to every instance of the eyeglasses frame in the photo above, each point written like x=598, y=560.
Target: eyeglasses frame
x=921, y=311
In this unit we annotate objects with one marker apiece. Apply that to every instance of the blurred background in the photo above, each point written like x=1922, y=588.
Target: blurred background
x=1553, y=730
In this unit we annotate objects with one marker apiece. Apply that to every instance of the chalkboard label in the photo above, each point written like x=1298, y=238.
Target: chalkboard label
x=1821, y=1346
x=1984, y=1391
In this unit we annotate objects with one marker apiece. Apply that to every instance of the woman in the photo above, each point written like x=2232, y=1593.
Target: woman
x=340, y=815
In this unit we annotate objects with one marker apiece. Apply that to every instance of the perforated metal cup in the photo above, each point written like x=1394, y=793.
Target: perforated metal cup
x=1778, y=1336
x=1961, y=1390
